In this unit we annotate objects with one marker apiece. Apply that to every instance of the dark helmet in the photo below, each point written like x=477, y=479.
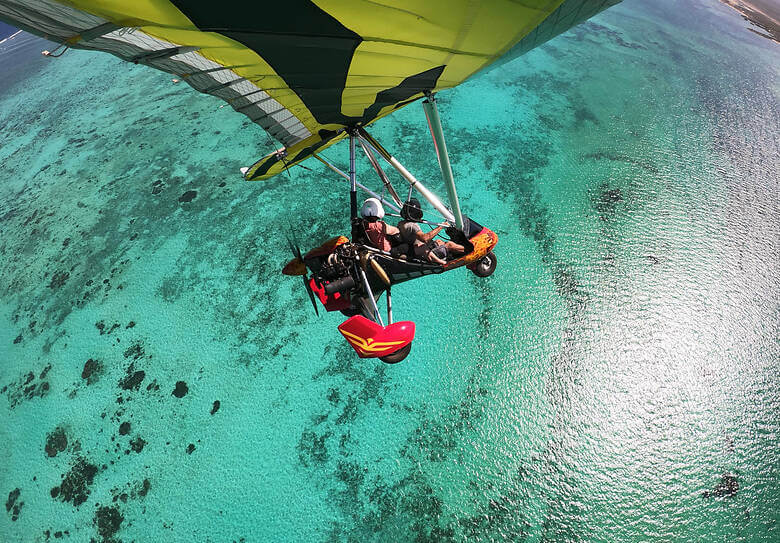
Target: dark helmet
x=411, y=210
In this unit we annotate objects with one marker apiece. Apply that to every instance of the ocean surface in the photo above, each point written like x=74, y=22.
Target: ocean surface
x=616, y=379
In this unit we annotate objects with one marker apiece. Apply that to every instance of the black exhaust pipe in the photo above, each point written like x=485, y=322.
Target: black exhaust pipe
x=340, y=285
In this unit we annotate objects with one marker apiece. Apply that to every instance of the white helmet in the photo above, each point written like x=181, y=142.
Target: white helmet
x=372, y=208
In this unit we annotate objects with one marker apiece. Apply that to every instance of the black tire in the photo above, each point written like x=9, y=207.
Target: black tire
x=486, y=266
x=351, y=312
x=396, y=357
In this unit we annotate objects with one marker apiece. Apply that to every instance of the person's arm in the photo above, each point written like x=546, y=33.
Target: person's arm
x=391, y=230
x=425, y=238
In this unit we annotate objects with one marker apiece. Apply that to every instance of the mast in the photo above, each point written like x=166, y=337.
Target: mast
x=434, y=123
x=352, y=178
x=382, y=176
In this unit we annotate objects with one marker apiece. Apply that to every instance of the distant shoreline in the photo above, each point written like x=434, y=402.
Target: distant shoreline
x=761, y=13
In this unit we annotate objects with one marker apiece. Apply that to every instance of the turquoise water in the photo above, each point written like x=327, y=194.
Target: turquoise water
x=616, y=379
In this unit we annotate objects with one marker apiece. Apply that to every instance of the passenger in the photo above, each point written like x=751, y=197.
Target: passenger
x=424, y=245
x=377, y=231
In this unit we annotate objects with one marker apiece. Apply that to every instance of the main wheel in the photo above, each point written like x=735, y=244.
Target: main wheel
x=350, y=312
x=396, y=357
x=486, y=266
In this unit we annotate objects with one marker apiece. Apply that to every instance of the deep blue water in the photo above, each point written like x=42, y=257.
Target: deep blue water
x=6, y=30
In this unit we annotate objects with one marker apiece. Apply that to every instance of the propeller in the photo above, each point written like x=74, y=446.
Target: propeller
x=296, y=251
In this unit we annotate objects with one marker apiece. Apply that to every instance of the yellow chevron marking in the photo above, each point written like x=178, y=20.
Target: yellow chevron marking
x=368, y=345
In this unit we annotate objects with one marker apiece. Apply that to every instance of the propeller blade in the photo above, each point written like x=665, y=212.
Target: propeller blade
x=311, y=294
x=292, y=243
x=296, y=251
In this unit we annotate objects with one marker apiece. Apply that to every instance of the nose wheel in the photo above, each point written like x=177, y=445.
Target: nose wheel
x=396, y=357
x=486, y=265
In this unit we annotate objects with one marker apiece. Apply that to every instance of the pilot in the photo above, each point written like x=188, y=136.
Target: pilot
x=424, y=244
x=378, y=232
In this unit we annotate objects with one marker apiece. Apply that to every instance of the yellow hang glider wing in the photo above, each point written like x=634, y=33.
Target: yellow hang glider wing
x=306, y=69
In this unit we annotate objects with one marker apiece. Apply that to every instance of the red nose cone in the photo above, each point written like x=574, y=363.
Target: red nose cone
x=370, y=339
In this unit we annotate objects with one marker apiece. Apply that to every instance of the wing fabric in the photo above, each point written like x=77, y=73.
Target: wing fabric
x=306, y=69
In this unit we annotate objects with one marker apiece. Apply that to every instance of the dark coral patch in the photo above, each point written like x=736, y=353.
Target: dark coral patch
x=58, y=279
x=352, y=475
x=26, y=388
x=582, y=114
x=124, y=428
x=607, y=202
x=56, y=441
x=190, y=448
x=18, y=339
x=107, y=522
x=92, y=370
x=312, y=448
x=188, y=196
x=728, y=486
x=566, y=281
x=502, y=515
x=132, y=490
x=75, y=484
x=144, y=490
x=611, y=196
x=215, y=407
x=334, y=396
x=135, y=351
x=137, y=444
x=181, y=389
x=11, y=506
x=101, y=326
x=132, y=380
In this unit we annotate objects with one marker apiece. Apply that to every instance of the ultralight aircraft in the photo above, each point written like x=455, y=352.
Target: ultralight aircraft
x=315, y=72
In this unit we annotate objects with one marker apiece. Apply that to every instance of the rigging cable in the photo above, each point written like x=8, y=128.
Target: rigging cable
x=281, y=153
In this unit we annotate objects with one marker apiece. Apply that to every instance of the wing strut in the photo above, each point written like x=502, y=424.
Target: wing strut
x=424, y=192
x=434, y=124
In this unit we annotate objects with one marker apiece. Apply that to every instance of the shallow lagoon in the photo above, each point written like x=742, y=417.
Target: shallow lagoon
x=615, y=380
